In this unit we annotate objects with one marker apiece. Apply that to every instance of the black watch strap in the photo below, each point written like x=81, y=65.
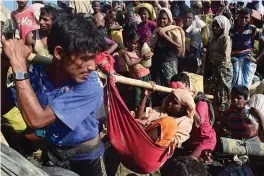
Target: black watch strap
x=19, y=76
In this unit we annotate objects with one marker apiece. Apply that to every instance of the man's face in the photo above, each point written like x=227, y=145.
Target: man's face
x=45, y=22
x=78, y=67
x=243, y=20
x=237, y=101
x=22, y=3
x=187, y=19
x=96, y=7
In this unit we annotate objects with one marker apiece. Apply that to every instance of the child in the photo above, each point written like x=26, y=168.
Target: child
x=133, y=59
x=240, y=121
x=98, y=16
x=24, y=19
x=146, y=27
x=203, y=138
x=173, y=123
x=114, y=29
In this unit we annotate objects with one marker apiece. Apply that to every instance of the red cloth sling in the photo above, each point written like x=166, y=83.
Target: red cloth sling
x=105, y=62
x=134, y=147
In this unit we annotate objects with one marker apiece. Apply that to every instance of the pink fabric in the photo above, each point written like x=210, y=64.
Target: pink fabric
x=176, y=85
x=135, y=149
x=145, y=30
x=25, y=22
x=105, y=62
x=137, y=71
x=204, y=137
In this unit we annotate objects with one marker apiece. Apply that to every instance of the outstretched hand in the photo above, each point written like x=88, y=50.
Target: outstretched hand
x=16, y=51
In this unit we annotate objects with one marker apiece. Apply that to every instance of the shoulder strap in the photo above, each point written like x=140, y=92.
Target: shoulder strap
x=201, y=97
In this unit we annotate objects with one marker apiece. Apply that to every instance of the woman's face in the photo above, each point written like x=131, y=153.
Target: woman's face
x=173, y=106
x=163, y=20
x=217, y=31
x=144, y=14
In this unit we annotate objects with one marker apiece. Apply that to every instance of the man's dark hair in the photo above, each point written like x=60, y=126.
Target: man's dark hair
x=241, y=90
x=188, y=11
x=89, y=18
x=53, y=11
x=181, y=77
x=245, y=11
x=185, y=165
x=76, y=35
x=40, y=2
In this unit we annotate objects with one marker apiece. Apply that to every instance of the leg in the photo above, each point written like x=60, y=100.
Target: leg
x=111, y=161
x=236, y=67
x=248, y=69
x=89, y=167
x=137, y=96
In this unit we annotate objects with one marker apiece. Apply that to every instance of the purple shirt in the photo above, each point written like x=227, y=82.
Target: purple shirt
x=109, y=42
x=145, y=30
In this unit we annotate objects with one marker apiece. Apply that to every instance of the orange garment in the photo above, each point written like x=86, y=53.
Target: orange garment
x=168, y=130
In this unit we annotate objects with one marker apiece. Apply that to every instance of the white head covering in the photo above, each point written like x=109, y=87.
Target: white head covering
x=224, y=24
x=169, y=14
x=259, y=7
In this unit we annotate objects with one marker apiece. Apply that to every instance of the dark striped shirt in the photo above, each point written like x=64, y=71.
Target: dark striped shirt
x=240, y=128
x=242, y=43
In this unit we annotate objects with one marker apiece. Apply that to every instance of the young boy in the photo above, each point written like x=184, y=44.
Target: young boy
x=240, y=121
x=24, y=19
x=243, y=36
x=98, y=16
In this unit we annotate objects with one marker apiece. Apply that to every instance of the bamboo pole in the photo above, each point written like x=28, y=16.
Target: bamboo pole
x=139, y=83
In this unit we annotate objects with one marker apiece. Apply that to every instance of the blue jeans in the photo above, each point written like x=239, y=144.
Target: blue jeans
x=243, y=71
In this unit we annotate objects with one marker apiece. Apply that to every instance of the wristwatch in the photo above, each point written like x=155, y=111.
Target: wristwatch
x=19, y=76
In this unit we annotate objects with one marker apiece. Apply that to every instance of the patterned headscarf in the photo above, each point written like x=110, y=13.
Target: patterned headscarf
x=185, y=98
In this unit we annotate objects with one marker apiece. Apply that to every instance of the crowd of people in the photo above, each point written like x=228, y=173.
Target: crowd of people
x=52, y=96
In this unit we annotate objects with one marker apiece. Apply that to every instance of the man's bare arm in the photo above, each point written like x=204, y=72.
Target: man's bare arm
x=34, y=115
